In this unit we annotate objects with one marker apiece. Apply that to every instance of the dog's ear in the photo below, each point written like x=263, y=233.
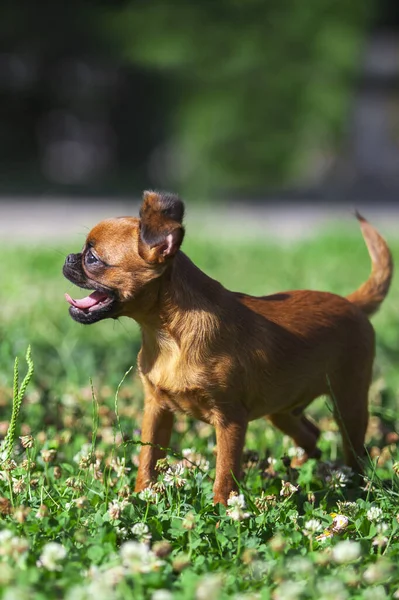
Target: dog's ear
x=161, y=229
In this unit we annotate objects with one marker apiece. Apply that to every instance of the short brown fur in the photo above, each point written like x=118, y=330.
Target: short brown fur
x=227, y=358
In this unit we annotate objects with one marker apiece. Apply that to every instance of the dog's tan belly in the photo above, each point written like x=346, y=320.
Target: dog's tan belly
x=270, y=402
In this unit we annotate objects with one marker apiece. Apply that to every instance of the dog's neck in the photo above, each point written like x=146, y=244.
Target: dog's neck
x=184, y=310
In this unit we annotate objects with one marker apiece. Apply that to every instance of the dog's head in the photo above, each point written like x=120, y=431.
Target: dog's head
x=122, y=256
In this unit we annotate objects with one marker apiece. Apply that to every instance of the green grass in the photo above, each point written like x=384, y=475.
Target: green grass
x=73, y=486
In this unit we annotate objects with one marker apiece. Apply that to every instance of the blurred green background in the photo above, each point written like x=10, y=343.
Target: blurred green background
x=237, y=97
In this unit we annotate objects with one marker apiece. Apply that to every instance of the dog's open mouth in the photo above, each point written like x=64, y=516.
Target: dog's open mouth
x=92, y=302
x=92, y=308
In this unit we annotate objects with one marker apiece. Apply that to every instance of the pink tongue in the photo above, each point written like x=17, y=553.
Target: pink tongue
x=87, y=302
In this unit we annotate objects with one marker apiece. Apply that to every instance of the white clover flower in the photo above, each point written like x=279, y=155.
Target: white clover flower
x=348, y=508
x=19, y=547
x=326, y=535
x=138, y=558
x=295, y=452
x=5, y=536
x=18, y=485
x=332, y=589
x=338, y=477
x=112, y=575
x=300, y=565
x=237, y=514
x=77, y=592
x=75, y=483
x=259, y=569
x=203, y=464
x=119, y=466
x=84, y=452
x=237, y=505
x=162, y=595
x=375, y=593
x=9, y=465
x=346, y=552
x=289, y=590
x=380, y=541
x=173, y=476
x=311, y=527
x=265, y=501
x=148, y=495
x=236, y=501
x=133, y=551
x=13, y=547
x=27, y=441
x=382, y=527
x=115, y=508
x=48, y=455
x=340, y=522
x=141, y=531
x=99, y=590
x=377, y=572
x=374, y=513
x=193, y=459
x=51, y=556
x=102, y=581
x=209, y=587
x=188, y=452
x=287, y=489
x=122, y=532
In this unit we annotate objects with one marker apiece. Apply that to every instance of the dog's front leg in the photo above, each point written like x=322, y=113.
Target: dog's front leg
x=230, y=438
x=156, y=431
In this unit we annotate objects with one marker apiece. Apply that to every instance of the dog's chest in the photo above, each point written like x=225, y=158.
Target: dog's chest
x=178, y=386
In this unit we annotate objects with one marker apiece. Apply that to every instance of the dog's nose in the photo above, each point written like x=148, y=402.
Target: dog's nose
x=70, y=259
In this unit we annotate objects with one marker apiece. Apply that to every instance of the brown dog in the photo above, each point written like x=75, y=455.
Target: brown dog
x=224, y=357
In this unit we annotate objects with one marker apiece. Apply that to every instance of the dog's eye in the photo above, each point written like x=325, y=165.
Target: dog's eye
x=91, y=259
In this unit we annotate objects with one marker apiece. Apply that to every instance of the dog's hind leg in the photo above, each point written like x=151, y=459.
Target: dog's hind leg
x=351, y=414
x=304, y=433
x=348, y=390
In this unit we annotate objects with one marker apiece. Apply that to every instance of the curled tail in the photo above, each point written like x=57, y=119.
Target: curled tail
x=373, y=291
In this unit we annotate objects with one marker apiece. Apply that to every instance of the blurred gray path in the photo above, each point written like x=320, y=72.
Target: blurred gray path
x=37, y=221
